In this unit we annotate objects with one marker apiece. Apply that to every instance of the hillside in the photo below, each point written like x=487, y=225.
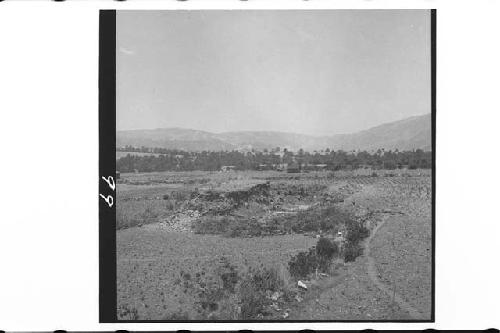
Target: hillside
x=406, y=134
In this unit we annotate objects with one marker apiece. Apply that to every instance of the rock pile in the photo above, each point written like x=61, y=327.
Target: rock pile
x=180, y=221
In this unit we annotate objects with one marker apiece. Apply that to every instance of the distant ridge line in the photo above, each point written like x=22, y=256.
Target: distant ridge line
x=404, y=134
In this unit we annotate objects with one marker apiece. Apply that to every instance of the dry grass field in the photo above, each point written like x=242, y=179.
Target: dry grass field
x=196, y=245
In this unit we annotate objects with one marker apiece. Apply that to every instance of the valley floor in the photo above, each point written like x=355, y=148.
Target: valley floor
x=391, y=280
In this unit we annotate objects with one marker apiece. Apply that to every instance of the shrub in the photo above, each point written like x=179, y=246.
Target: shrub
x=209, y=299
x=316, y=258
x=228, y=274
x=356, y=232
x=211, y=196
x=267, y=279
x=253, y=289
x=352, y=251
x=231, y=296
x=304, y=263
x=312, y=220
x=326, y=219
x=194, y=194
x=252, y=300
x=332, y=217
x=326, y=249
x=214, y=295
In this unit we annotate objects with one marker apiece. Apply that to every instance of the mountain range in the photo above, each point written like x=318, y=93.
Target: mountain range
x=407, y=134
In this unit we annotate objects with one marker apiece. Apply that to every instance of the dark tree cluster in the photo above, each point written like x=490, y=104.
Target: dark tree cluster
x=178, y=160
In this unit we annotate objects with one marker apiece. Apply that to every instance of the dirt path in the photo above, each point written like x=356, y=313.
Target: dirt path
x=365, y=291
x=372, y=273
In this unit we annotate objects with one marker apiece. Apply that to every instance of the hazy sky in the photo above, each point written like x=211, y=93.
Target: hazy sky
x=315, y=72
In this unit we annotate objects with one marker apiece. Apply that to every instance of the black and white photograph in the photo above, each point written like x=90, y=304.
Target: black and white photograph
x=260, y=165
x=274, y=165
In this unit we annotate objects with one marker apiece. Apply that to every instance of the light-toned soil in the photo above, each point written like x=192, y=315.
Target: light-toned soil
x=150, y=259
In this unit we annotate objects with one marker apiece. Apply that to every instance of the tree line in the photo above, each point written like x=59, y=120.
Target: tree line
x=179, y=160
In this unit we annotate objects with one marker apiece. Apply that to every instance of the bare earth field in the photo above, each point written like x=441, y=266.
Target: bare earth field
x=182, y=233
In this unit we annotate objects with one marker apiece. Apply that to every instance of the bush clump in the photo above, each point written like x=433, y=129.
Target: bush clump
x=315, y=259
x=316, y=220
x=253, y=289
x=356, y=232
x=211, y=293
x=352, y=251
x=304, y=263
x=228, y=274
x=326, y=249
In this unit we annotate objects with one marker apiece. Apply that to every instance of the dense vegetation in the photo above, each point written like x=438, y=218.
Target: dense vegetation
x=178, y=160
x=236, y=293
x=327, y=219
x=317, y=259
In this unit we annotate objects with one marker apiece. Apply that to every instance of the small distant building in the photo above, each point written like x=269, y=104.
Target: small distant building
x=264, y=167
x=315, y=167
x=320, y=167
x=280, y=167
x=118, y=175
x=226, y=168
